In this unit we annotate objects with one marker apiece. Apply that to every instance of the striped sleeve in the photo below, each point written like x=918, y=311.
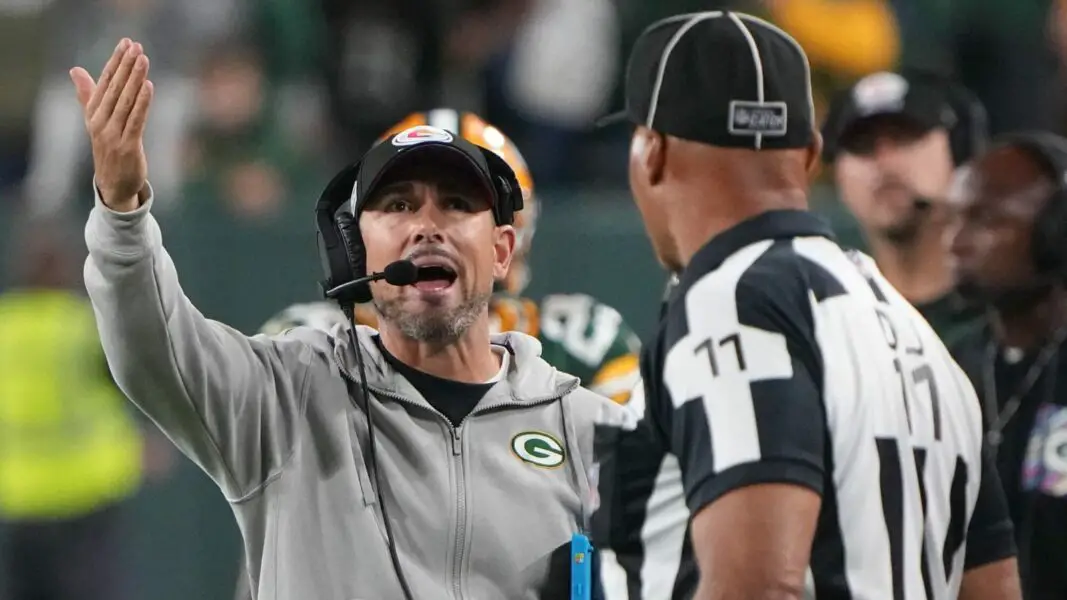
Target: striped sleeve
x=743, y=387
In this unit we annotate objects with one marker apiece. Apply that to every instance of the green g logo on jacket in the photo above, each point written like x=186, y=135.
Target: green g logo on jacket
x=538, y=449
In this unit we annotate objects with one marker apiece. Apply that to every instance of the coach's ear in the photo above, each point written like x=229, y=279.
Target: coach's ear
x=504, y=240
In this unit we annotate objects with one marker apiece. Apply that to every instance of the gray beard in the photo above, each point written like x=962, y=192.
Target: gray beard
x=437, y=326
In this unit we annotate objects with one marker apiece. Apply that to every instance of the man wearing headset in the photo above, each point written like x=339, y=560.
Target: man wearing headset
x=1009, y=239
x=894, y=140
x=578, y=334
x=477, y=478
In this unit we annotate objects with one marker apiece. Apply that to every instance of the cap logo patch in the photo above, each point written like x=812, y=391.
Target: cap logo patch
x=421, y=134
x=758, y=118
x=881, y=92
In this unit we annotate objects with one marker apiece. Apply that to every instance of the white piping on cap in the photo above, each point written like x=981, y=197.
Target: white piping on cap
x=800, y=51
x=757, y=62
x=694, y=18
x=738, y=19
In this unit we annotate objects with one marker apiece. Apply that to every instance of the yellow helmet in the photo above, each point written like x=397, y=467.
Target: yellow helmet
x=475, y=130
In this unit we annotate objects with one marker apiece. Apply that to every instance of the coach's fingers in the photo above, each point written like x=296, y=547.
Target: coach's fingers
x=117, y=85
x=83, y=85
x=130, y=92
x=139, y=114
x=106, y=75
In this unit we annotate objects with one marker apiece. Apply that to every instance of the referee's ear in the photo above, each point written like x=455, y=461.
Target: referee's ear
x=648, y=152
x=813, y=159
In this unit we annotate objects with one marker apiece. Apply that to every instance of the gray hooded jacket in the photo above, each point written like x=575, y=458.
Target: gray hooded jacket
x=279, y=425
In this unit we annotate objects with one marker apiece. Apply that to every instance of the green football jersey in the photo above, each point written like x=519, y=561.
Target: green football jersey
x=578, y=335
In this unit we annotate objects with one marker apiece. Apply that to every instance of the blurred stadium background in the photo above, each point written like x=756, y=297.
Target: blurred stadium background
x=259, y=101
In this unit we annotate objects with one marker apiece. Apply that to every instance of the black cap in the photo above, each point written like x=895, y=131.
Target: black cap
x=720, y=78
x=421, y=142
x=923, y=99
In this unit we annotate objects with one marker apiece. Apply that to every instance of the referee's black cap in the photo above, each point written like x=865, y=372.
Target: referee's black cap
x=720, y=78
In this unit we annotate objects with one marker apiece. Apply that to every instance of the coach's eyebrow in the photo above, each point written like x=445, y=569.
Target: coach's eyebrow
x=380, y=195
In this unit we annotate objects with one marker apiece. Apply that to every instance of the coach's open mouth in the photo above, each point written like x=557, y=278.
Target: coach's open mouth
x=435, y=277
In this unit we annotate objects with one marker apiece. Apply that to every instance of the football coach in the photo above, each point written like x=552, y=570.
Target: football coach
x=424, y=460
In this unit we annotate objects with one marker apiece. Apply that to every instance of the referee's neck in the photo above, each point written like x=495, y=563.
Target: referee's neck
x=699, y=217
x=709, y=189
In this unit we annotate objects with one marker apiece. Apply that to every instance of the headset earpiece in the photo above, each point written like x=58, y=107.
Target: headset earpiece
x=340, y=245
x=1048, y=244
x=969, y=136
x=348, y=228
x=508, y=191
x=1050, y=236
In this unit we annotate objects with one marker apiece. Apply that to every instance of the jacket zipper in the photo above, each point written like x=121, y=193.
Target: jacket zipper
x=461, y=514
x=460, y=491
x=457, y=454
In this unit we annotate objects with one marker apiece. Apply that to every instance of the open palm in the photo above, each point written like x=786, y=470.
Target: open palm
x=115, y=108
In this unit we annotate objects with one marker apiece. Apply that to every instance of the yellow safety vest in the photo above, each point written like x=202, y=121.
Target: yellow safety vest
x=68, y=444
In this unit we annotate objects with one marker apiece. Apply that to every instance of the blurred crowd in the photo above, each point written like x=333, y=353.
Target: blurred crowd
x=258, y=102
x=259, y=99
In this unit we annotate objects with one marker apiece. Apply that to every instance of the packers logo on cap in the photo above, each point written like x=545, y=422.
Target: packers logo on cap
x=421, y=134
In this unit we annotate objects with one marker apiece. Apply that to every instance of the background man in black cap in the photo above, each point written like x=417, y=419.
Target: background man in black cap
x=894, y=140
x=829, y=445
x=443, y=463
x=1010, y=242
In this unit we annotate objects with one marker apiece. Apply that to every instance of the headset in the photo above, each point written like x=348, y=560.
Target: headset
x=1049, y=238
x=969, y=132
x=341, y=249
x=344, y=261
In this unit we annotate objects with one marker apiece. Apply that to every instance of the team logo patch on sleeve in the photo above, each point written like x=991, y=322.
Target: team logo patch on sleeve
x=538, y=449
x=421, y=134
x=764, y=118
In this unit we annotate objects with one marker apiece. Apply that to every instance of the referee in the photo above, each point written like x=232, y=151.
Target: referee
x=828, y=444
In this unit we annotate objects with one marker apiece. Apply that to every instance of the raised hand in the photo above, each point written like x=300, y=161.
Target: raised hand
x=116, y=109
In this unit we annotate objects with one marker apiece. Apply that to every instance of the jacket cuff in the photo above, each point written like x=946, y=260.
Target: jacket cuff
x=123, y=233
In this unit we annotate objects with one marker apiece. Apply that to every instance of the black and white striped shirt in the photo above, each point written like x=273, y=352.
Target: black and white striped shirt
x=784, y=359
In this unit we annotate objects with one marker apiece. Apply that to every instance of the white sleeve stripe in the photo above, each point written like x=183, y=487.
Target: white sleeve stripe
x=661, y=536
x=712, y=316
x=612, y=576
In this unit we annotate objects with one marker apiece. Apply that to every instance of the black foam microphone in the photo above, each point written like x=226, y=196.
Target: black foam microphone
x=400, y=272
